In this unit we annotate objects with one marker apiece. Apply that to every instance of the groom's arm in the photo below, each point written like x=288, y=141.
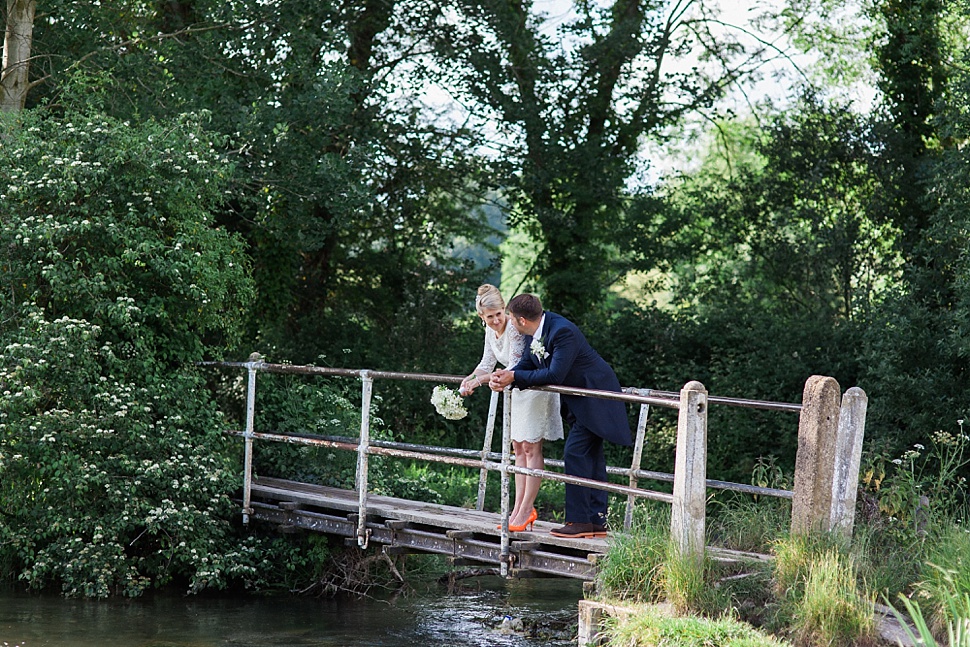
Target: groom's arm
x=563, y=350
x=506, y=377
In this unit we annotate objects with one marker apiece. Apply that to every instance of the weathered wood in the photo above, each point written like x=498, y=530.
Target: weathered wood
x=464, y=535
x=416, y=512
x=816, y=459
x=688, y=514
x=521, y=546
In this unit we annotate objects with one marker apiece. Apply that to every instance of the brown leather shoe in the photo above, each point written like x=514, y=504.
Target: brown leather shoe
x=579, y=530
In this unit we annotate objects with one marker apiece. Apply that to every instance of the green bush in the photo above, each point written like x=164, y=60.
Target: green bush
x=115, y=476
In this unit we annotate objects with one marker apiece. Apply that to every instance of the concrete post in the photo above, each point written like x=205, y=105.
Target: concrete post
x=852, y=425
x=817, y=456
x=689, y=512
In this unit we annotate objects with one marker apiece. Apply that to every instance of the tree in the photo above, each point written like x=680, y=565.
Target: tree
x=14, y=71
x=913, y=79
x=773, y=271
x=574, y=108
x=350, y=201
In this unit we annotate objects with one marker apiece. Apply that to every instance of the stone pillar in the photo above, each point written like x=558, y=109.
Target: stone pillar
x=817, y=455
x=688, y=513
x=852, y=425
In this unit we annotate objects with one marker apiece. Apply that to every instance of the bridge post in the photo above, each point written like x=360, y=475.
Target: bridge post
x=852, y=424
x=363, y=446
x=817, y=455
x=504, y=553
x=830, y=433
x=689, y=509
x=255, y=360
x=486, y=450
x=637, y=459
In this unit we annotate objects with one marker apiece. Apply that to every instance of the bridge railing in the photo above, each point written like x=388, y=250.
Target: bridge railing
x=830, y=432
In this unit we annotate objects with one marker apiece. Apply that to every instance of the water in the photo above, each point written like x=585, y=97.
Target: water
x=434, y=617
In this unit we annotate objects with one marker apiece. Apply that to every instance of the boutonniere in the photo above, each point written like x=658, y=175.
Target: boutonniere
x=538, y=349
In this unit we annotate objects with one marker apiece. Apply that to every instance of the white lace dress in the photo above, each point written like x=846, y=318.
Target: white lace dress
x=535, y=414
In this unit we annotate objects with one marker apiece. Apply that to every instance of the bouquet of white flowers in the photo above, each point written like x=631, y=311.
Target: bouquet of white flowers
x=448, y=403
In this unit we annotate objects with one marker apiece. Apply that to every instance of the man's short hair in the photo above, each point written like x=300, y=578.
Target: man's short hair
x=527, y=306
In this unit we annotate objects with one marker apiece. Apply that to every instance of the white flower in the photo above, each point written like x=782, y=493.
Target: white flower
x=538, y=349
x=448, y=403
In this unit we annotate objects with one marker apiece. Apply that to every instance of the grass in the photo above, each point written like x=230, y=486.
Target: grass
x=946, y=581
x=812, y=592
x=649, y=627
x=956, y=629
x=632, y=569
x=831, y=610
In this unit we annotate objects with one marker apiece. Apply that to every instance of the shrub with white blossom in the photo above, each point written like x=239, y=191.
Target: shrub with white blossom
x=115, y=475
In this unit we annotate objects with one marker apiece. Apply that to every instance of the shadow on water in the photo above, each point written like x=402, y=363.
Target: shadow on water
x=524, y=613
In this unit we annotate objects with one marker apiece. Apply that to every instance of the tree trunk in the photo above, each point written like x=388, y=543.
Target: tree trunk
x=16, y=55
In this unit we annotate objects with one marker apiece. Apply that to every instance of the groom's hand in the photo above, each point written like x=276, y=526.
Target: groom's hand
x=501, y=379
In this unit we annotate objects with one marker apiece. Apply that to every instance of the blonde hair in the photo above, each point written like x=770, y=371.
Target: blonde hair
x=489, y=298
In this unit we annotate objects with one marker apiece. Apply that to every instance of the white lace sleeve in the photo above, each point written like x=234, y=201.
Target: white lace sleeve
x=487, y=365
x=517, y=345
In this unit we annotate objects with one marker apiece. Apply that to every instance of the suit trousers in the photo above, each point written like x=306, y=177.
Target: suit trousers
x=583, y=456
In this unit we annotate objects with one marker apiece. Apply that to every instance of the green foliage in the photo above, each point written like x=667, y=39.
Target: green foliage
x=923, y=490
x=832, y=611
x=111, y=223
x=944, y=588
x=110, y=486
x=307, y=405
x=886, y=562
x=957, y=629
x=772, y=272
x=817, y=588
x=114, y=473
x=740, y=522
x=633, y=567
x=687, y=585
x=794, y=557
x=648, y=627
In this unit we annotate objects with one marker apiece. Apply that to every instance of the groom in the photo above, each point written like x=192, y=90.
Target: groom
x=557, y=353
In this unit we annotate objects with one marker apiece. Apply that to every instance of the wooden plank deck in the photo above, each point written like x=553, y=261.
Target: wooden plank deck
x=428, y=527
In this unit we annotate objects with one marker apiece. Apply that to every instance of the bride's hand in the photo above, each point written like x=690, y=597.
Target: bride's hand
x=501, y=379
x=468, y=385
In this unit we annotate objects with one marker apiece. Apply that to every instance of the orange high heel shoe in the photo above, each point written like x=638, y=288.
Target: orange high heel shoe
x=527, y=525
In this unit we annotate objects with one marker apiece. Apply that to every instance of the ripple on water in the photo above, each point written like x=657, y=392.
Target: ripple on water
x=470, y=618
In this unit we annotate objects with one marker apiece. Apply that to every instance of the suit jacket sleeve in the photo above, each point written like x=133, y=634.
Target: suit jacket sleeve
x=563, y=348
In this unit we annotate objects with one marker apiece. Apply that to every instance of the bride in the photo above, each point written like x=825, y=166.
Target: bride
x=535, y=414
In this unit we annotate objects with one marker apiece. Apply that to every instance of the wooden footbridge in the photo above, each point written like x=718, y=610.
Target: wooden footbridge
x=830, y=432
x=466, y=537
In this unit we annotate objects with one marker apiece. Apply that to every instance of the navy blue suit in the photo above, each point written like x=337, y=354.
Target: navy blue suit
x=571, y=361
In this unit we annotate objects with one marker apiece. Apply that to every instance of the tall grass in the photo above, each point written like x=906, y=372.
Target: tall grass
x=740, y=522
x=831, y=610
x=945, y=581
x=819, y=598
x=632, y=569
x=956, y=629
